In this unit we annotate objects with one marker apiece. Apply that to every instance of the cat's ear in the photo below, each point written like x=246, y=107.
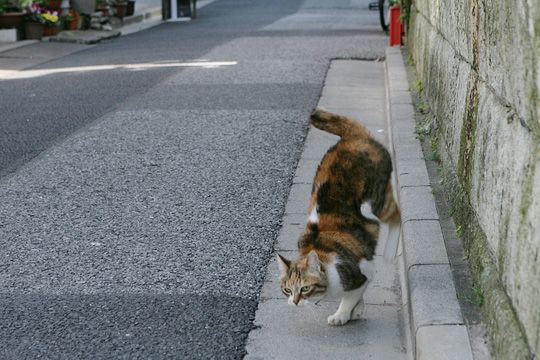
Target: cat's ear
x=313, y=262
x=283, y=263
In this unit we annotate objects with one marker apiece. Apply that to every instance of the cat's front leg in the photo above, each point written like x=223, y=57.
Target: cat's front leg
x=350, y=307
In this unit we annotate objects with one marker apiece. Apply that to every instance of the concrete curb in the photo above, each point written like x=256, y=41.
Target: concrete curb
x=437, y=326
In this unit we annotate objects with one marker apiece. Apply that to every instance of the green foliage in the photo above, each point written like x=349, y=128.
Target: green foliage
x=423, y=128
x=12, y=5
x=422, y=107
x=410, y=60
x=418, y=86
x=459, y=231
x=405, y=11
x=435, y=156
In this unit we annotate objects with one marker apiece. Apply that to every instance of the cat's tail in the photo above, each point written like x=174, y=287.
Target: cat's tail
x=339, y=125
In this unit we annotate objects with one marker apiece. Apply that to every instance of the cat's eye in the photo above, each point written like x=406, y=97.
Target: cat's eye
x=287, y=291
x=305, y=289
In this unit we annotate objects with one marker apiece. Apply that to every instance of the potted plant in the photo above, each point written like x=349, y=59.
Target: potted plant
x=121, y=8
x=40, y=22
x=11, y=15
x=71, y=20
x=103, y=6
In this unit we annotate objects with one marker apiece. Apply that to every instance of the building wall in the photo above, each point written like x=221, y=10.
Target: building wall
x=479, y=64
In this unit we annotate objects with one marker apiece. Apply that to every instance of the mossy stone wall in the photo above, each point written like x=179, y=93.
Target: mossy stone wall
x=479, y=62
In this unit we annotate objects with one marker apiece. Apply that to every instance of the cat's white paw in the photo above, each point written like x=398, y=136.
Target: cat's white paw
x=358, y=310
x=339, y=318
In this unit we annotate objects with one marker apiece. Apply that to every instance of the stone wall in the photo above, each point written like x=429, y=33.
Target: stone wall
x=478, y=61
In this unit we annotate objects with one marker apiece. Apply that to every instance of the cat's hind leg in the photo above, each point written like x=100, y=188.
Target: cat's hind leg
x=368, y=270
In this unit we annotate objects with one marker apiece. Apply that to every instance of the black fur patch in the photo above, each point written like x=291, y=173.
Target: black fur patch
x=349, y=273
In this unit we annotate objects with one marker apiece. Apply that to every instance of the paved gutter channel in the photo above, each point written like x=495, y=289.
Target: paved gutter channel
x=437, y=323
x=354, y=88
x=468, y=299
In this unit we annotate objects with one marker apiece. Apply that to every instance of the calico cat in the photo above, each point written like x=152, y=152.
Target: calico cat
x=337, y=246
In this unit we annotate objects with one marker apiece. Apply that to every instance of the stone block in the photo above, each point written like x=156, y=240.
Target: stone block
x=400, y=97
x=8, y=35
x=412, y=172
x=402, y=112
x=433, y=296
x=423, y=243
x=417, y=203
x=408, y=150
x=300, y=192
x=443, y=342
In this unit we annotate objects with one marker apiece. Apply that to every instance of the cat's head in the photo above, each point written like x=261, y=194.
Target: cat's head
x=302, y=279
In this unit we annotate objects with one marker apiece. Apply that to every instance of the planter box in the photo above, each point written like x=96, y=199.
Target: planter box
x=33, y=30
x=11, y=20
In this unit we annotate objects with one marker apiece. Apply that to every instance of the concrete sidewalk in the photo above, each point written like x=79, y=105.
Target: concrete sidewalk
x=355, y=88
x=412, y=309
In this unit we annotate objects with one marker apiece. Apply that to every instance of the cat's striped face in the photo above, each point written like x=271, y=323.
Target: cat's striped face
x=302, y=279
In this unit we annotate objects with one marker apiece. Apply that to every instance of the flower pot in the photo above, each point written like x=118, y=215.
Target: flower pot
x=72, y=25
x=130, y=8
x=33, y=30
x=121, y=9
x=51, y=30
x=11, y=20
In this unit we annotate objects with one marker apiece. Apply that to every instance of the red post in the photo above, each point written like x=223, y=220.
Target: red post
x=395, y=25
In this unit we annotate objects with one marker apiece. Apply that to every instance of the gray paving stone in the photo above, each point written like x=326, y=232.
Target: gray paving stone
x=361, y=94
x=305, y=171
x=404, y=132
x=314, y=153
x=320, y=138
x=298, y=199
x=443, y=342
x=412, y=172
x=398, y=85
x=402, y=112
x=417, y=203
x=290, y=232
x=296, y=207
x=408, y=151
x=285, y=332
x=300, y=192
x=347, y=73
x=350, y=98
x=433, y=296
x=400, y=97
x=424, y=243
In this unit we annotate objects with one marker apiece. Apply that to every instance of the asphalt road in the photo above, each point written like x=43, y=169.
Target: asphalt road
x=139, y=206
